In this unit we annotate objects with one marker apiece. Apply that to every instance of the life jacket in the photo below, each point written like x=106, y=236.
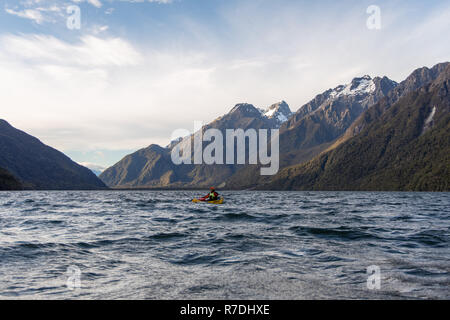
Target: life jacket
x=213, y=195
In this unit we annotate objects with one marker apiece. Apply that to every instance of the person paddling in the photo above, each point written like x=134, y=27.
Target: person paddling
x=212, y=195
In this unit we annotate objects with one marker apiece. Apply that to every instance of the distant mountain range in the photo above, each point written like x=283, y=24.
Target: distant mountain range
x=152, y=167
x=331, y=122
x=28, y=163
x=369, y=134
x=302, y=136
x=95, y=168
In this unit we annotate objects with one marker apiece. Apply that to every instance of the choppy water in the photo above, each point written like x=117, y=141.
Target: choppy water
x=258, y=245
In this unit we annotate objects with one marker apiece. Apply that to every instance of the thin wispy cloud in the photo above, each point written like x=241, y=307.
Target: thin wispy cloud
x=95, y=3
x=89, y=52
x=96, y=29
x=34, y=15
x=38, y=11
x=142, y=1
x=51, y=11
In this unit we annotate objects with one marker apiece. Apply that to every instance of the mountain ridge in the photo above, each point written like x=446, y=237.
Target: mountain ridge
x=396, y=151
x=152, y=167
x=414, y=81
x=39, y=166
x=315, y=128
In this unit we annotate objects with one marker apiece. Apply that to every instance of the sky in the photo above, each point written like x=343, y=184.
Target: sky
x=134, y=71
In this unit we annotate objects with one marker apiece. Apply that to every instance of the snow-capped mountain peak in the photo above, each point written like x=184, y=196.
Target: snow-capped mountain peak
x=280, y=112
x=358, y=86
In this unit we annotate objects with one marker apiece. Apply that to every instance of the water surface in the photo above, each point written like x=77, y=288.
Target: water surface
x=257, y=245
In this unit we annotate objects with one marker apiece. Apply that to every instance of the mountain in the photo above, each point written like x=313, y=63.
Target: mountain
x=245, y=116
x=95, y=168
x=147, y=167
x=417, y=79
x=317, y=124
x=312, y=129
x=388, y=93
x=38, y=166
x=8, y=181
x=405, y=145
x=152, y=167
x=329, y=122
x=278, y=113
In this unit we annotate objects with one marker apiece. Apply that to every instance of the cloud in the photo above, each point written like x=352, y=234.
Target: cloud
x=91, y=51
x=141, y=1
x=38, y=11
x=93, y=166
x=31, y=14
x=95, y=3
x=96, y=29
x=53, y=8
x=98, y=4
x=93, y=91
x=109, y=11
x=98, y=93
x=41, y=11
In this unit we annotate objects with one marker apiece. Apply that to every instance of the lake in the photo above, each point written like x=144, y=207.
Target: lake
x=257, y=245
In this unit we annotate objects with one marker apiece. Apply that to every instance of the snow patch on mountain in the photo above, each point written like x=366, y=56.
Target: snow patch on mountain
x=280, y=112
x=429, y=121
x=277, y=112
x=358, y=86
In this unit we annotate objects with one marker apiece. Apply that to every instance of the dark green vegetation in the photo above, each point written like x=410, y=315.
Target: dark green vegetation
x=38, y=166
x=8, y=181
x=406, y=147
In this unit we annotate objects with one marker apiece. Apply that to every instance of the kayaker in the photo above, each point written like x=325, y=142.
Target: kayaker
x=212, y=195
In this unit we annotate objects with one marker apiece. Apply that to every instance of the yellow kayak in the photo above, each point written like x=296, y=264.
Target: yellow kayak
x=218, y=201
